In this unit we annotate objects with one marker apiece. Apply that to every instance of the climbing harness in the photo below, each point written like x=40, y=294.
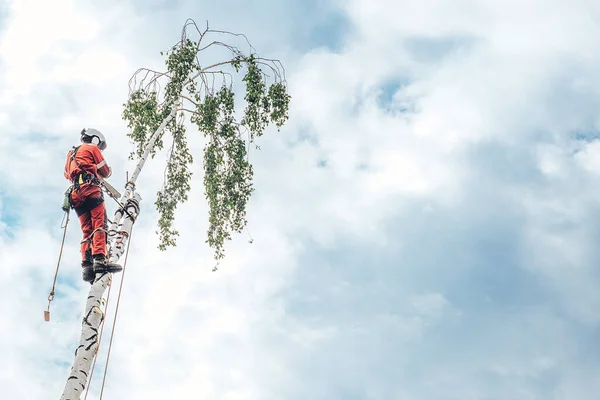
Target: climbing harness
x=62, y=245
x=85, y=177
x=79, y=180
x=89, y=178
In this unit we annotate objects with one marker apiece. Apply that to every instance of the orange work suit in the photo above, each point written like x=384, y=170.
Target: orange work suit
x=87, y=198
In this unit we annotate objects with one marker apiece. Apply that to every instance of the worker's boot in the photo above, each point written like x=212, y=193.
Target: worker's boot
x=101, y=265
x=87, y=271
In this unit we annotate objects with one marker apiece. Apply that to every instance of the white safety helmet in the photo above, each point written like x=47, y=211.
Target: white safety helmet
x=96, y=136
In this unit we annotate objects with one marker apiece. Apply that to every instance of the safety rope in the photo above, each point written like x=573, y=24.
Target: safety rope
x=90, y=236
x=121, y=206
x=62, y=245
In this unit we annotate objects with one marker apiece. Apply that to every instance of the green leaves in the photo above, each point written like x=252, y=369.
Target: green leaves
x=228, y=175
x=180, y=63
x=264, y=105
x=176, y=185
x=142, y=118
x=280, y=103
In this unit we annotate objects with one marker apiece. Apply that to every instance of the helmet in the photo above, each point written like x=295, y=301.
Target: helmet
x=96, y=136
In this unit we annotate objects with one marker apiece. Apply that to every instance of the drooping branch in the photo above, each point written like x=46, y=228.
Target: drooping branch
x=190, y=100
x=228, y=174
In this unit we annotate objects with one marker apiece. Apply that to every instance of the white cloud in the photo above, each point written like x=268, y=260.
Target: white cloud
x=506, y=80
x=38, y=36
x=588, y=158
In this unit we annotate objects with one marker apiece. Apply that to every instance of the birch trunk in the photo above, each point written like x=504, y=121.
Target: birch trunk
x=88, y=343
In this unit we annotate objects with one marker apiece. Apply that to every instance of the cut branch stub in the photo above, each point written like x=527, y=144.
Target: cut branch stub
x=228, y=175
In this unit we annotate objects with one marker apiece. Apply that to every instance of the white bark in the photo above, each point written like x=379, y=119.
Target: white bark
x=88, y=343
x=125, y=218
x=150, y=146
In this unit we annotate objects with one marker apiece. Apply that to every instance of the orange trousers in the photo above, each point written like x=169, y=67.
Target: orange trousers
x=91, y=210
x=91, y=221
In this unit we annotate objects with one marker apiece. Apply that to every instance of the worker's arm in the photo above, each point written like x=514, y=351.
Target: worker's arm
x=103, y=169
x=67, y=171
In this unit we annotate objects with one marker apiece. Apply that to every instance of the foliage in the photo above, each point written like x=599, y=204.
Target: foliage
x=228, y=174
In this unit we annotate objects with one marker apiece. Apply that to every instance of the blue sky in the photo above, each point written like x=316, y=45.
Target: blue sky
x=424, y=226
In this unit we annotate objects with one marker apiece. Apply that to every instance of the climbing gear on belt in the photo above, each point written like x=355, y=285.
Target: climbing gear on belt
x=67, y=201
x=80, y=179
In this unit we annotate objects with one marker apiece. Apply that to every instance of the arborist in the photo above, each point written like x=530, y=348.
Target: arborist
x=86, y=169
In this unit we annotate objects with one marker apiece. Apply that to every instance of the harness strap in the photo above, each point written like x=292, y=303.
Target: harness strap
x=91, y=235
x=84, y=177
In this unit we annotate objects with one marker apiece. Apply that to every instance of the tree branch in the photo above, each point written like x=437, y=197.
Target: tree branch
x=190, y=100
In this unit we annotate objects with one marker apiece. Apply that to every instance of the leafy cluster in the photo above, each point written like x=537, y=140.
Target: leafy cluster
x=142, y=118
x=228, y=175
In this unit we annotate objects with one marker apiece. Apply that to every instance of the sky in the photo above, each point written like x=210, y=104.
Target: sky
x=423, y=228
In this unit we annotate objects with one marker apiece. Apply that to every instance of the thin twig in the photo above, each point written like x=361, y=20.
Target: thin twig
x=187, y=109
x=190, y=100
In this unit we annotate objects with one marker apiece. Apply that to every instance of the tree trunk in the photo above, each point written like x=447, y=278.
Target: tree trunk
x=88, y=343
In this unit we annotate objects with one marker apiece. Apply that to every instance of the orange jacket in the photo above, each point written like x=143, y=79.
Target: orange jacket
x=90, y=159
